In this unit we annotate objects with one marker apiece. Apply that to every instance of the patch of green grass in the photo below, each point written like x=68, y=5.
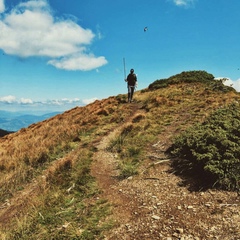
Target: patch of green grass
x=116, y=144
x=128, y=168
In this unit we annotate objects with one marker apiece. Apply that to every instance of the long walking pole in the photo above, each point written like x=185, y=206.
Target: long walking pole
x=124, y=67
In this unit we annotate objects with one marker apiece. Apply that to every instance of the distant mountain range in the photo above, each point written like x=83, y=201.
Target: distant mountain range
x=14, y=121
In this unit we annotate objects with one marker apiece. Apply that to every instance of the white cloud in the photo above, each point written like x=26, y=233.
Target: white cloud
x=232, y=83
x=8, y=99
x=87, y=101
x=81, y=62
x=2, y=6
x=184, y=3
x=25, y=101
x=30, y=29
x=13, y=100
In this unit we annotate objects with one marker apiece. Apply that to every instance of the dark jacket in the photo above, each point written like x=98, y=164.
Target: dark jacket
x=131, y=79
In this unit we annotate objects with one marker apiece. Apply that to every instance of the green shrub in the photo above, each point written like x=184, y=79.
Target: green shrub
x=187, y=77
x=191, y=77
x=212, y=149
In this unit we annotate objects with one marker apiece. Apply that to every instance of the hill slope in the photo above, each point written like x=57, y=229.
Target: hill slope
x=102, y=171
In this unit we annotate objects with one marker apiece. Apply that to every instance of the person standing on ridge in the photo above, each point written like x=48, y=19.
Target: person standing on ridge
x=132, y=83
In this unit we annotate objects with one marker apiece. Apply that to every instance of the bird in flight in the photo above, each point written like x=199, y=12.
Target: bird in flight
x=145, y=29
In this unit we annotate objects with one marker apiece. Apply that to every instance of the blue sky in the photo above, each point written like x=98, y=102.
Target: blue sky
x=58, y=54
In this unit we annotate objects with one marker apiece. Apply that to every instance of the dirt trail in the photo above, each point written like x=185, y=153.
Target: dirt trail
x=105, y=170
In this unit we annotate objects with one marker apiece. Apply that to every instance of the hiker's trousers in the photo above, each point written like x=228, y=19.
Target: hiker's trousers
x=130, y=92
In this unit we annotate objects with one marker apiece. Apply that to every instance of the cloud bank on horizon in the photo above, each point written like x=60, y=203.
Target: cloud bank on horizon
x=30, y=29
x=48, y=105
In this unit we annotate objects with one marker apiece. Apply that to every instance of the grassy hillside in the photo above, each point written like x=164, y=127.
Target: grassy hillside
x=45, y=169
